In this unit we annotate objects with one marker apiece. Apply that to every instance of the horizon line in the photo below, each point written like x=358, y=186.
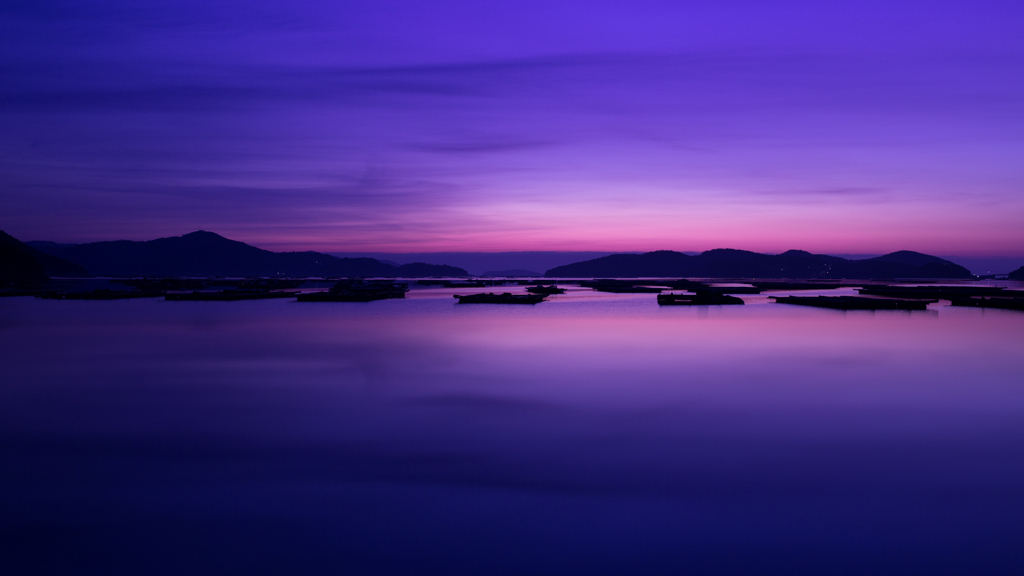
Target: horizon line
x=288, y=247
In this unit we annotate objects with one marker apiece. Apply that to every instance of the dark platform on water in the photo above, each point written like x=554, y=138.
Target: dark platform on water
x=853, y=302
x=698, y=299
x=656, y=286
x=733, y=289
x=1001, y=303
x=623, y=286
x=932, y=292
x=628, y=289
x=545, y=290
x=226, y=295
x=356, y=291
x=103, y=294
x=506, y=298
x=351, y=296
x=771, y=285
x=24, y=292
x=460, y=283
x=682, y=284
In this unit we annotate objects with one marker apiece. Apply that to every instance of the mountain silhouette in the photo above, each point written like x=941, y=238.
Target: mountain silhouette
x=422, y=270
x=208, y=254
x=20, y=262
x=728, y=263
x=1017, y=274
x=512, y=273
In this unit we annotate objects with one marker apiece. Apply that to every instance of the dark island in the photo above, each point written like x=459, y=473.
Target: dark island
x=794, y=264
x=931, y=292
x=194, y=267
x=505, y=298
x=1000, y=303
x=545, y=289
x=227, y=295
x=22, y=264
x=699, y=299
x=357, y=291
x=205, y=254
x=852, y=302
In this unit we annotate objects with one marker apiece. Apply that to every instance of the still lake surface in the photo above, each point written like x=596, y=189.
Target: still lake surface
x=591, y=434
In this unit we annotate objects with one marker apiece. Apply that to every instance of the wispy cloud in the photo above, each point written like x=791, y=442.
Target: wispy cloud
x=131, y=113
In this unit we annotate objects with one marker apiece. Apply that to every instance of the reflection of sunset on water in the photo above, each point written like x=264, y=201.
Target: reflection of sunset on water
x=594, y=423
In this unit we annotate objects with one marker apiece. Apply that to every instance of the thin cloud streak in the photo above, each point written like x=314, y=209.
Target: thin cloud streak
x=501, y=143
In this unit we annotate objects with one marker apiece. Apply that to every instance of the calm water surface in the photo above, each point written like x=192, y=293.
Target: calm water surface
x=592, y=434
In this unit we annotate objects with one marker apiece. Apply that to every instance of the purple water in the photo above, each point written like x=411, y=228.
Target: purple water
x=592, y=434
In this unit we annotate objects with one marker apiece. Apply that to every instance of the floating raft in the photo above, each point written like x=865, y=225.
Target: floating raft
x=506, y=298
x=733, y=289
x=350, y=295
x=357, y=291
x=771, y=285
x=628, y=289
x=103, y=294
x=545, y=290
x=683, y=284
x=932, y=292
x=460, y=283
x=17, y=292
x=624, y=286
x=853, y=302
x=1001, y=303
x=698, y=299
x=226, y=295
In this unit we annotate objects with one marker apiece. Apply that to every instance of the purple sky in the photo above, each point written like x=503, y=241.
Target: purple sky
x=430, y=126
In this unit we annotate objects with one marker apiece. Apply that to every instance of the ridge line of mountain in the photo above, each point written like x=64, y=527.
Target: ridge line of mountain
x=206, y=254
x=731, y=263
x=20, y=262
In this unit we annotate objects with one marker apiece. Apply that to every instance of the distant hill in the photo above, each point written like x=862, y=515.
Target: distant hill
x=727, y=263
x=511, y=273
x=421, y=270
x=17, y=263
x=479, y=262
x=20, y=262
x=1017, y=274
x=208, y=254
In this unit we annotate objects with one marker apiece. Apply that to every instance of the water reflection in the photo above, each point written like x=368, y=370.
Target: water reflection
x=596, y=433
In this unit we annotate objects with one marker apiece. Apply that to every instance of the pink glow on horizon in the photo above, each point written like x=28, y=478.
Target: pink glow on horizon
x=813, y=230
x=635, y=220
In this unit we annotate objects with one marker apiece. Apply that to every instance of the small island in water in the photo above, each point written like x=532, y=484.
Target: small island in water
x=199, y=267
